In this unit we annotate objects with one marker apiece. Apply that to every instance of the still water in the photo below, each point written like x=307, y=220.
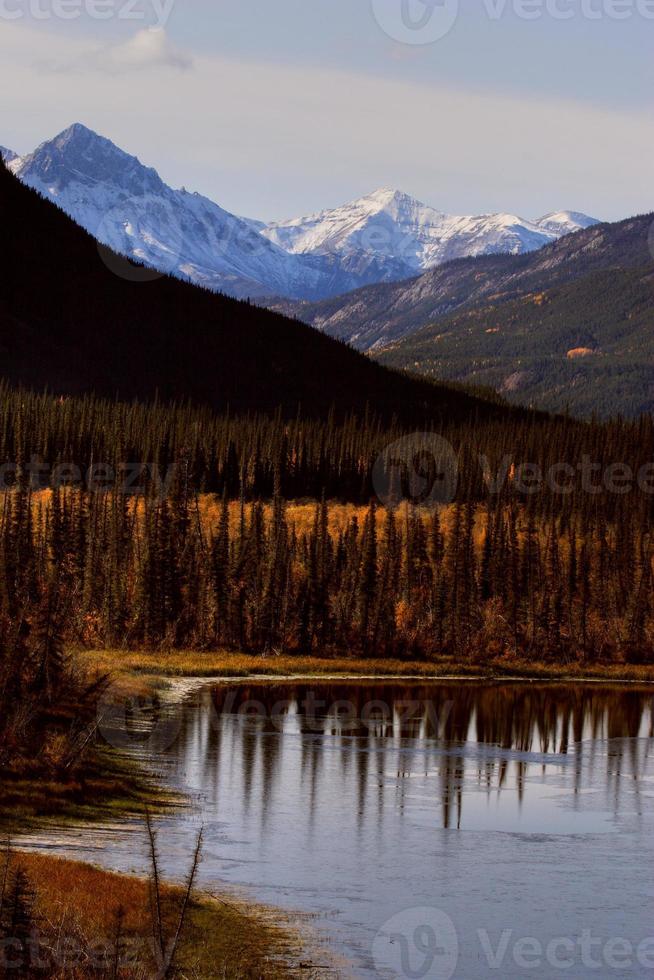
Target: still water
x=434, y=830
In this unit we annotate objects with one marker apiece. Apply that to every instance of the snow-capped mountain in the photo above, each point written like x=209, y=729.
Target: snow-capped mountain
x=7, y=155
x=412, y=237
x=560, y=223
x=384, y=237
x=127, y=206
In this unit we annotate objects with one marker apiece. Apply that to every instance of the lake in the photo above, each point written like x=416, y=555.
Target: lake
x=435, y=830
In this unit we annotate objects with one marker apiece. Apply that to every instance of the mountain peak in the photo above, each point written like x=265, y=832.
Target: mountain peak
x=390, y=235
x=564, y=222
x=387, y=196
x=79, y=139
x=81, y=155
x=76, y=131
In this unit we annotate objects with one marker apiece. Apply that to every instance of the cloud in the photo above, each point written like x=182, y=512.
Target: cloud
x=149, y=48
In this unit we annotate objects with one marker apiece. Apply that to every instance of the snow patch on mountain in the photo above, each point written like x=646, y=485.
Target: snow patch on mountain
x=7, y=155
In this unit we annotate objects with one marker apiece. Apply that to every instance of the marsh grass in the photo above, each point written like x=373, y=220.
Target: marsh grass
x=80, y=905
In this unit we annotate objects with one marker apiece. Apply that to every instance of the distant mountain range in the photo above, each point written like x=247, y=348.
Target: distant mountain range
x=127, y=207
x=412, y=237
x=385, y=237
x=568, y=326
x=554, y=313
x=68, y=323
x=373, y=317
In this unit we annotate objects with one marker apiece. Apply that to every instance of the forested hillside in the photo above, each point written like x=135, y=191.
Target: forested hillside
x=377, y=315
x=510, y=321
x=588, y=345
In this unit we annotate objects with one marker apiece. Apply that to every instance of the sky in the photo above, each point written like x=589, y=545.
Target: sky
x=277, y=108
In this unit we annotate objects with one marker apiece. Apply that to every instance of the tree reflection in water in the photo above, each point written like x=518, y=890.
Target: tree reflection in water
x=463, y=737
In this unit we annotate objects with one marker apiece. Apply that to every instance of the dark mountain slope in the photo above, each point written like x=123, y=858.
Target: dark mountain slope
x=377, y=315
x=588, y=344
x=69, y=323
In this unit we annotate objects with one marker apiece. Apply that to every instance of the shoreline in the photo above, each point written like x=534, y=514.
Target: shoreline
x=222, y=927
x=281, y=942
x=140, y=671
x=196, y=679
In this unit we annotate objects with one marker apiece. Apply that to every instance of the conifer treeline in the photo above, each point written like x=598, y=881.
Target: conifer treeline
x=464, y=581
x=559, y=575
x=252, y=456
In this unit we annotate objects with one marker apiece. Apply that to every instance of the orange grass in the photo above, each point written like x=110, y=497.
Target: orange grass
x=222, y=937
x=137, y=671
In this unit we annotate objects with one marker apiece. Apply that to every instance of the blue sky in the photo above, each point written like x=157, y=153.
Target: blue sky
x=285, y=107
x=604, y=61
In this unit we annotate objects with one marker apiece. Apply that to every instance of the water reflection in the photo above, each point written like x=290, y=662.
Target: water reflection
x=377, y=745
x=524, y=810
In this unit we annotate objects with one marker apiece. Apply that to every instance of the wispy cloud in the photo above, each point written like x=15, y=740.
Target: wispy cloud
x=149, y=48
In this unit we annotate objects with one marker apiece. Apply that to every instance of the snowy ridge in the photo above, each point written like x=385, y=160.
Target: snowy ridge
x=563, y=222
x=7, y=155
x=392, y=225
x=384, y=237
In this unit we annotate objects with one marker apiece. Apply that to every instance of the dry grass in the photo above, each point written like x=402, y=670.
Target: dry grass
x=222, y=938
x=138, y=670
